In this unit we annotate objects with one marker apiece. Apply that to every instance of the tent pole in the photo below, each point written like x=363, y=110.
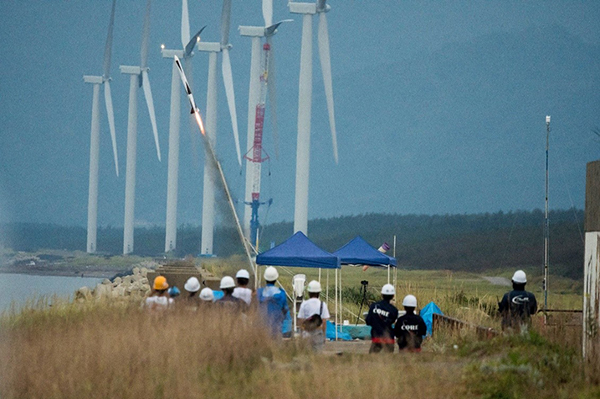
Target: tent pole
x=396, y=268
x=336, y=303
x=341, y=303
x=327, y=288
x=395, y=278
x=388, y=274
x=319, y=275
x=295, y=315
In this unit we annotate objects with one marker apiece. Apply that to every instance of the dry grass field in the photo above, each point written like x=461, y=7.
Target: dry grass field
x=118, y=350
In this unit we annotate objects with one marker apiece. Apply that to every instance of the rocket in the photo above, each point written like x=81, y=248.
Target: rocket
x=188, y=90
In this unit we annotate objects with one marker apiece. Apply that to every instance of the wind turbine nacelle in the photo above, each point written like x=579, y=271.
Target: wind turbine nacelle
x=130, y=70
x=212, y=47
x=93, y=79
x=166, y=53
x=253, y=31
x=302, y=8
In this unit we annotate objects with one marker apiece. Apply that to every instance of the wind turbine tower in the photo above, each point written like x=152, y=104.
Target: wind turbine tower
x=138, y=78
x=185, y=54
x=210, y=171
x=305, y=101
x=262, y=74
x=92, y=225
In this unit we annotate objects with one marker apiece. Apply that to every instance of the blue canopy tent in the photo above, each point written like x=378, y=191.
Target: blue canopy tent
x=360, y=252
x=299, y=251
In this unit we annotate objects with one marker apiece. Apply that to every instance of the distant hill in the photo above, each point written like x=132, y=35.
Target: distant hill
x=476, y=242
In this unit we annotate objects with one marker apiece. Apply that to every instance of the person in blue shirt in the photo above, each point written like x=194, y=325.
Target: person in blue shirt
x=272, y=302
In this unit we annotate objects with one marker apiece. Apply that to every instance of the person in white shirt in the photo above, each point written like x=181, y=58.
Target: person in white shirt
x=159, y=298
x=242, y=291
x=192, y=286
x=313, y=316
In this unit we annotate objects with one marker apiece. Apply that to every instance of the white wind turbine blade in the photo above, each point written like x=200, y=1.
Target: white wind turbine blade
x=150, y=103
x=321, y=5
x=109, y=39
x=145, y=37
x=324, y=55
x=271, y=82
x=267, y=10
x=185, y=24
x=273, y=97
x=111, y=122
x=230, y=94
x=189, y=47
x=225, y=22
x=107, y=92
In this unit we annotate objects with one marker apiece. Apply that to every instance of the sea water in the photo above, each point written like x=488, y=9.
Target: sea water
x=20, y=288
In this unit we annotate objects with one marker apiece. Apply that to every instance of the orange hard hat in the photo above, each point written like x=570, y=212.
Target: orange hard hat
x=160, y=283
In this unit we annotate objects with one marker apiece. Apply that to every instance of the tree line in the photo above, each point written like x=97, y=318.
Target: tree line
x=470, y=242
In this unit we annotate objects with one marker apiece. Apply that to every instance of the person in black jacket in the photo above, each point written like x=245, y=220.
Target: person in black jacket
x=381, y=318
x=517, y=306
x=410, y=328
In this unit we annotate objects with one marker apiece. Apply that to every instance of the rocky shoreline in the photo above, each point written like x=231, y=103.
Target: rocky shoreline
x=133, y=285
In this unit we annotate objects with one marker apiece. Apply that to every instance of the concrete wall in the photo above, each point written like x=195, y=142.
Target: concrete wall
x=591, y=291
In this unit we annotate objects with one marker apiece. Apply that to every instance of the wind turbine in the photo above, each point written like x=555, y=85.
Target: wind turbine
x=186, y=54
x=305, y=101
x=262, y=79
x=92, y=226
x=208, y=192
x=138, y=77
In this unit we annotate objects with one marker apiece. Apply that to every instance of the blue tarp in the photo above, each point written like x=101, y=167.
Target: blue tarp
x=298, y=251
x=360, y=331
x=341, y=335
x=359, y=252
x=427, y=314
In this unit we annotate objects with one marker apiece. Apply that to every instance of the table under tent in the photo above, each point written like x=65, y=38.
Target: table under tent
x=358, y=252
x=299, y=251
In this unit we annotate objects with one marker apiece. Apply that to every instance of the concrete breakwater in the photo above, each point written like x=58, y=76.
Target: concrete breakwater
x=135, y=285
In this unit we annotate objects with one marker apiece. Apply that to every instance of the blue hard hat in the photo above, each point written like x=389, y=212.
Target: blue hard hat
x=174, y=291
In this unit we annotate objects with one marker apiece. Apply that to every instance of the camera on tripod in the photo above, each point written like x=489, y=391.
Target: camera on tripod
x=363, y=293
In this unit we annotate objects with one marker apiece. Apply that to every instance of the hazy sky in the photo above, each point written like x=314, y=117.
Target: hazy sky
x=415, y=134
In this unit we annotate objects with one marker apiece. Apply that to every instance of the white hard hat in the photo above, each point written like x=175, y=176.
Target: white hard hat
x=207, y=294
x=388, y=289
x=271, y=274
x=409, y=301
x=192, y=285
x=519, y=277
x=242, y=273
x=314, y=287
x=227, y=282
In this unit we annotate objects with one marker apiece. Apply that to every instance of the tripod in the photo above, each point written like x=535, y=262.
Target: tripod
x=363, y=291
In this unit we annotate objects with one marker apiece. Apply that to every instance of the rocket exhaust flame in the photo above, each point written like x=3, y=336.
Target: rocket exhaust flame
x=199, y=121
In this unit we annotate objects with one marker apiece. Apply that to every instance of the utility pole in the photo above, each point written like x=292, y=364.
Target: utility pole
x=546, y=221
